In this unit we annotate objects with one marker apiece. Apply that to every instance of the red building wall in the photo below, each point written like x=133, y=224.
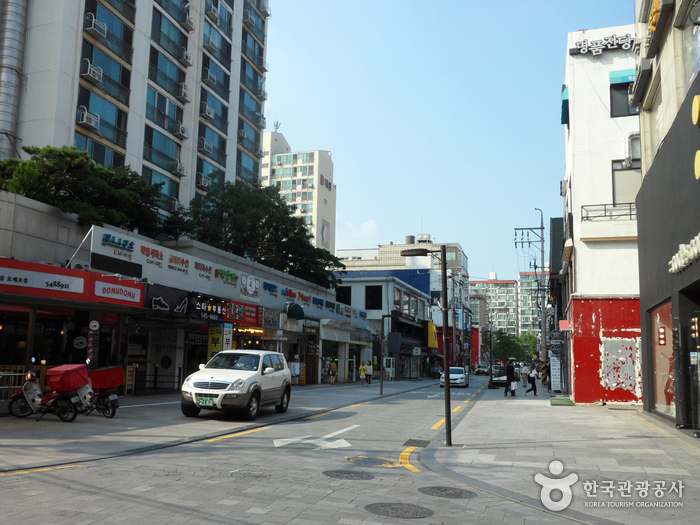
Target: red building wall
x=606, y=346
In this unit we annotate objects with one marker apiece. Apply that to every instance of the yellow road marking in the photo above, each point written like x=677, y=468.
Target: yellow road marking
x=37, y=470
x=360, y=404
x=438, y=424
x=389, y=397
x=405, y=459
x=466, y=401
x=318, y=415
x=238, y=434
x=456, y=409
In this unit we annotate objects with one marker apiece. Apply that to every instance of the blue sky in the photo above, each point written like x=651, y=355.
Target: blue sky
x=442, y=116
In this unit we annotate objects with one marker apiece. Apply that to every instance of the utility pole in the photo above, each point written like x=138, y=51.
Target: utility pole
x=539, y=239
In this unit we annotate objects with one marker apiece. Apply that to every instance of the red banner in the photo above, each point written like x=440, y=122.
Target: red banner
x=244, y=314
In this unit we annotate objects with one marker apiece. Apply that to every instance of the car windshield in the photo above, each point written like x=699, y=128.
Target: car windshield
x=456, y=371
x=235, y=361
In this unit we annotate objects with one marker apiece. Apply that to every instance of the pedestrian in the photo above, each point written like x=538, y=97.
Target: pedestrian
x=510, y=378
x=333, y=371
x=363, y=372
x=368, y=373
x=532, y=378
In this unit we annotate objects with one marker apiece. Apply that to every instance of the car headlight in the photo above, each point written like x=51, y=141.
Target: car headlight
x=238, y=384
x=188, y=382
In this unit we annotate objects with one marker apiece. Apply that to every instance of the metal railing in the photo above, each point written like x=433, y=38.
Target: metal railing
x=127, y=8
x=609, y=212
x=10, y=382
x=164, y=121
x=163, y=80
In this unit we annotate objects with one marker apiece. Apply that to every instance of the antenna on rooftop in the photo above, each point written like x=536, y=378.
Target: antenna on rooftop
x=277, y=125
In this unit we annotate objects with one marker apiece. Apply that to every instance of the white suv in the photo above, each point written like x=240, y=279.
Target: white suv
x=238, y=380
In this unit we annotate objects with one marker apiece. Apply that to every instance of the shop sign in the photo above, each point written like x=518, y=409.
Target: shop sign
x=317, y=302
x=250, y=288
x=686, y=254
x=244, y=314
x=271, y=318
x=153, y=256
x=167, y=301
x=123, y=247
x=288, y=292
x=325, y=182
x=363, y=315
x=310, y=326
x=41, y=280
x=339, y=308
x=206, y=309
x=79, y=342
x=227, y=276
x=178, y=264
x=596, y=47
x=216, y=341
x=203, y=270
x=416, y=351
x=272, y=289
x=200, y=338
x=305, y=298
x=330, y=306
x=118, y=292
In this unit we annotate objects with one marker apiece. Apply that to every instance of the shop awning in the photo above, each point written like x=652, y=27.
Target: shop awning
x=294, y=311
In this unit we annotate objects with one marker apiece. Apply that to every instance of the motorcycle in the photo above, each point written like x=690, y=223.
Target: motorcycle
x=104, y=400
x=30, y=400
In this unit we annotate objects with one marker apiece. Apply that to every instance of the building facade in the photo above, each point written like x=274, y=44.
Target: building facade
x=305, y=180
x=173, y=89
x=600, y=276
x=502, y=299
x=667, y=91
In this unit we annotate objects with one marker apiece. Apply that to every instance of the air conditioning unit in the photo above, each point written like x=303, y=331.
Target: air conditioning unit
x=210, y=45
x=185, y=57
x=264, y=8
x=94, y=27
x=183, y=93
x=262, y=93
x=242, y=134
x=88, y=120
x=172, y=204
x=205, y=146
x=178, y=168
x=76, y=264
x=181, y=131
x=89, y=72
x=260, y=120
x=248, y=19
x=206, y=112
x=208, y=77
x=212, y=12
x=187, y=21
x=261, y=63
x=259, y=150
x=202, y=181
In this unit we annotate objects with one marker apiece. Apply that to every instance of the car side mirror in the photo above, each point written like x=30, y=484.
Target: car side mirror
x=269, y=370
x=201, y=366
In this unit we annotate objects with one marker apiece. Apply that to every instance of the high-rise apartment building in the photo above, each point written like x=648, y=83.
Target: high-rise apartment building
x=502, y=302
x=530, y=295
x=173, y=88
x=304, y=179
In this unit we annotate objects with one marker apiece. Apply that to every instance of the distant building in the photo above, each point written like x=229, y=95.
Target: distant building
x=501, y=297
x=305, y=179
x=530, y=296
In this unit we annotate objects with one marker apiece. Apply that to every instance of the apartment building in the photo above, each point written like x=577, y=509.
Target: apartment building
x=175, y=89
x=305, y=180
x=502, y=299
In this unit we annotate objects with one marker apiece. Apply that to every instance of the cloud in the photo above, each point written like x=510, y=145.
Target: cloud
x=351, y=235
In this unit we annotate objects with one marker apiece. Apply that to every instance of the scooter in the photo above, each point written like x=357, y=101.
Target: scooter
x=30, y=400
x=104, y=400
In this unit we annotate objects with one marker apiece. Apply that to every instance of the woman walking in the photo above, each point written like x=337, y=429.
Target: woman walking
x=532, y=378
x=363, y=372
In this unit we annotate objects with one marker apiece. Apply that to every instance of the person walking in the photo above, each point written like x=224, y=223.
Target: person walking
x=333, y=371
x=532, y=379
x=363, y=372
x=368, y=373
x=510, y=378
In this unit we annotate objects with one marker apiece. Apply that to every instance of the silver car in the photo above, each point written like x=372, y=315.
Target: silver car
x=458, y=377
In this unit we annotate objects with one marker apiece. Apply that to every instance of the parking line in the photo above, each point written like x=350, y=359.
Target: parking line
x=405, y=459
x=238, y=434
x=456, y=409
x=438, y=424
x=37, y=470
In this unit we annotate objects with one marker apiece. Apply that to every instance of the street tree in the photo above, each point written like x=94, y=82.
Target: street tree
x=68, y=179
x=528, y=342
x=257, y=223
x=506, y=346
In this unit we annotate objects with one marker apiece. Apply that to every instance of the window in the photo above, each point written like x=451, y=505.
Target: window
x=220, y=120
x=626, y=182
x=619, y=100
x=343, y=294
x=247, y=168
x=691, y=51
x=210, y=171
x=99, y=152
x=664, y=370
x=655, y=123
x=170, y=187
x=112, y=119
x=115, y=77
x=373, y=297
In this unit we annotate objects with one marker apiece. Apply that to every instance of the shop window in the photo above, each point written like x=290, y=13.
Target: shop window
x=373, y=297
x=620, y=100
x=343, y=294
x=626, y=182
x=664, y=373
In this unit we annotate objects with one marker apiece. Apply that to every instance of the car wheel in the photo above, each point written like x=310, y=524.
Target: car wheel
x=189, y=410
x=284, y=403
x=251, y=410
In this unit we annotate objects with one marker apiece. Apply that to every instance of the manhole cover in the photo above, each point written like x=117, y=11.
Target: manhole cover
x=364, y=461
x=399, y=510
x=347, y=474
x=417, y=443
x=448, y=492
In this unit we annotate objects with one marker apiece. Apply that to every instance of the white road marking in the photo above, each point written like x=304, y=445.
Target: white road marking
x=150, y=404
x=320, y=442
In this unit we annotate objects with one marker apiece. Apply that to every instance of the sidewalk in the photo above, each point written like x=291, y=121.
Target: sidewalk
x=500, y=444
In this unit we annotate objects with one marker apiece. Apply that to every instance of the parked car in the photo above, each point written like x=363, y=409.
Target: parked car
x=481, y=370
x=458, y=377
x=498, y=375
x=238, y=380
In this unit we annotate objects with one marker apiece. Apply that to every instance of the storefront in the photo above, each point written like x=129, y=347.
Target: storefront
x=668, y=221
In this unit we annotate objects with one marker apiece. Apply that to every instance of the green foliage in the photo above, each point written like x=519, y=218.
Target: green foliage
x=71, y=181
x=507, y=346
x=528, y=342
x=257, y=223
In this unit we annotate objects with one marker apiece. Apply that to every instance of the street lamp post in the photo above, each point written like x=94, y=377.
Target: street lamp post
x=422, y=252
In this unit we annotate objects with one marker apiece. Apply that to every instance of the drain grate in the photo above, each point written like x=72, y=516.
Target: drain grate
x=348, y=474
x=448, y=492
x=417, y=443
x=399, y=510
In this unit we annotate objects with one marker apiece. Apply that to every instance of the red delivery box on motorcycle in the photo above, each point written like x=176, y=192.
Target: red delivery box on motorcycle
x=67, y=377
x=107, y=377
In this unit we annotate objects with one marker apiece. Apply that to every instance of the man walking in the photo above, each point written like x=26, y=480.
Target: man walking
x=510, y=377
x=368, y=372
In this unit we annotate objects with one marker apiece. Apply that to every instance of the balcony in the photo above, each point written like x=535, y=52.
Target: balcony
x=161, y=119
x=113, y=133
x=87, y=120
x=114, y=88
x=608, y=222
x=167, y=43
x=118, y=46
x=94, y=27
x=246, y=174
x=162, y=160
x=207, y=148
x=178, y=12
x=125, y=7
x=89, y=72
